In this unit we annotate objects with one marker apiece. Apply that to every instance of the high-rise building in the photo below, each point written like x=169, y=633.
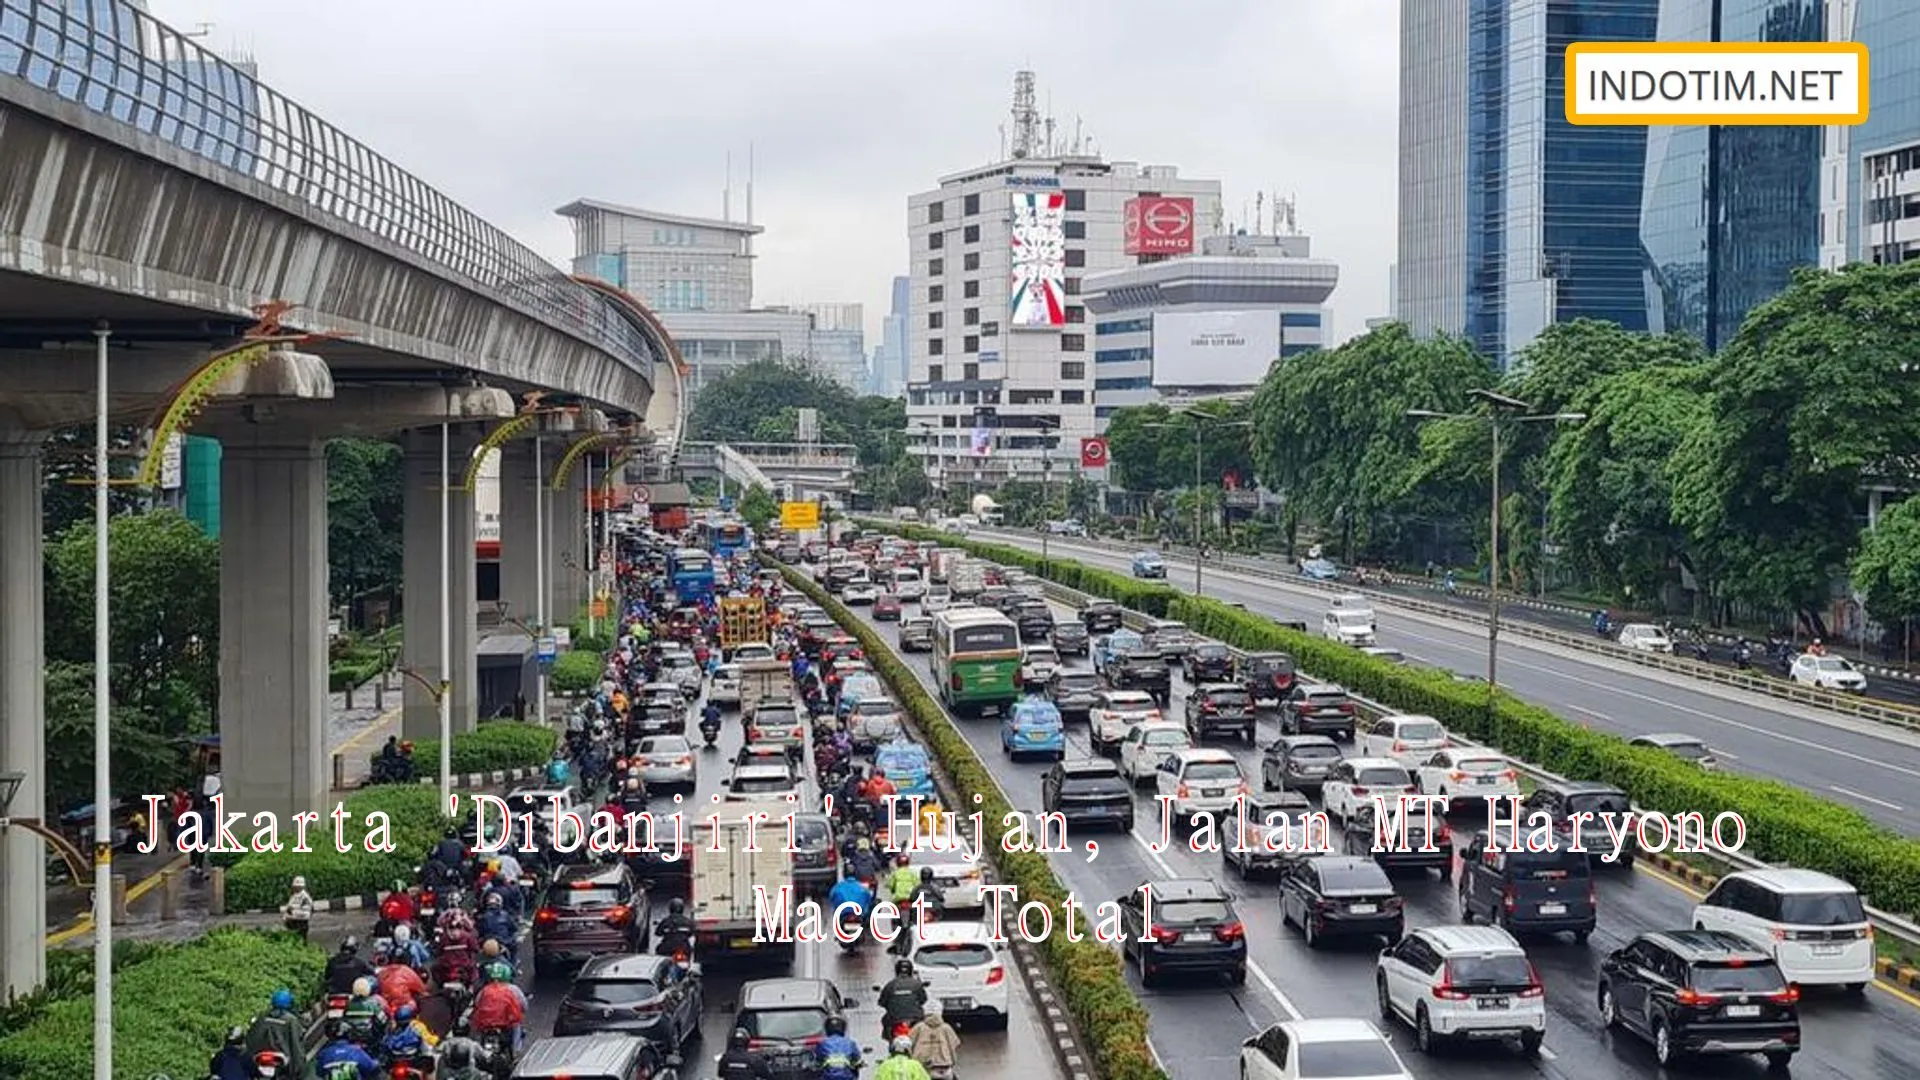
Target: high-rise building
x=1000, y=343
x=837, y=343
x=1870, y=174
x=890, y=357
x=1430, y=278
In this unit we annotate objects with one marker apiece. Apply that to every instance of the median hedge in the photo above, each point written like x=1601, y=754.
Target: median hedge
x=576, y=672
x=1089, y=976
x=494, y=745
x=260, y=881
x=171, y=1011
x=1784, y=823
x=70, y=975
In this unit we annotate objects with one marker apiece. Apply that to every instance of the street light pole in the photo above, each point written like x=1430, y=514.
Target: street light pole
x=1493, y=567
x=1197, y=555
x=540, y=569
x=445, y=696
x=102, y=733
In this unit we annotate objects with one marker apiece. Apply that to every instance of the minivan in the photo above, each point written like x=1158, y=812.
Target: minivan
x=1543, y=892
x=1812, y=924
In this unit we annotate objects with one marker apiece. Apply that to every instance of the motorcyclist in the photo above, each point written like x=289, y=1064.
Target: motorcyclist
x=456, y=962
x=923, y=890
x=865, y=863
x=508, y=890
x=880, y=789
x=346, y=967
x=366, y=1012
x=409, y=1038
x=742, y=1063
x=407, y=949
x=710, y=717
x=674, y=932
x=900, y=1064
x=448, y=855
x=397, y=908
x=500, y=1006
x=231, y=1061
x=935, y=1044
x=903, y=1000
x=495, y=924
x=280, y=1030
x=851, y=890
x=558, y=771
x=342, y=1058
x=904, y=880
x=461, y=1057
x=633, y=795
x=838, y=1055
x=399, y=984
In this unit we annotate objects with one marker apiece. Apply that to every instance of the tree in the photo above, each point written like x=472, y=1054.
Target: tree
x=733, y=407
x=67, y=493
x=147, y=757
x=757, y=507
x=1153, y=457
x=365, y=500
x=1814, y=396
x=1887, y=567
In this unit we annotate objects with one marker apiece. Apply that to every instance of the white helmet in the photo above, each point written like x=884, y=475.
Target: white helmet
x=902, y=1044
x=402, y=934
x=299, y=882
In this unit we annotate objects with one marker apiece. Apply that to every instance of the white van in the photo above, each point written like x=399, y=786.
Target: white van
x=1813, y=924
x=1349, y=625
x=908, y=585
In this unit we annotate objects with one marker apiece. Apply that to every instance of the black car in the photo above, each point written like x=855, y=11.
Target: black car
x=1034, y=619
x=1074, y=693
x=1219, y=709
x=1399, y=850
x=633, y=994
x=839, y=576
x=816, y=862
x=1700, y=992
x=659, y=718
x=1070, y=638
x=1269, y=677
x=1100, y=617
x=1143, y=669
x=589, y=910
x=1298, y=763
x=1171, y=639
x=1088, y=792
x=1318, y=710
x=998, y=598
x=1273, y=832
x=784, y=1018
x=1183, y=925
x=1208, y=661
x=1338, y=896
x=1583, y=808
x=1543, y=892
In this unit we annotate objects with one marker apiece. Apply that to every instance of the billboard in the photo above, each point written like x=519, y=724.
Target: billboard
x=1159, y=225
x=1214, y=348
x=1093, y=453
x=1038, y=242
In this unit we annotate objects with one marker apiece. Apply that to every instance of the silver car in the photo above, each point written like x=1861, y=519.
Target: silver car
x=873, y=721
x=668, y=761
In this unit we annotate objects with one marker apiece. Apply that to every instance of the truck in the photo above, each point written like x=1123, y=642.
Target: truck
x=764, y=680
x=966, y=578
x=726, y=884
x=743, y=621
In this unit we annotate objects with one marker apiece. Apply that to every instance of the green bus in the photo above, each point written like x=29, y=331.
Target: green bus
x=976, y=660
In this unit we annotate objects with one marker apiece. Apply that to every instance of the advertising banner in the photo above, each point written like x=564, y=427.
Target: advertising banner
x=1158, y=225
x=1214, y=348
x=1093, y=453
x=1038, y=242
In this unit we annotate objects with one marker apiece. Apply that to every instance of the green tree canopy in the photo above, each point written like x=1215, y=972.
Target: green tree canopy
x=1887, y=568
x=1151, y=446
x=757, y=507
x=364, y=506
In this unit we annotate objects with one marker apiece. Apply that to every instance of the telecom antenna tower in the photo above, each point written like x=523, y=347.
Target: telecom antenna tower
x=1026, y=115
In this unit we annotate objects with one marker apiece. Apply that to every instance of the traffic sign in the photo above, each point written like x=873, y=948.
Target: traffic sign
x=547, y=648
x=799, y=516
x=642, y=494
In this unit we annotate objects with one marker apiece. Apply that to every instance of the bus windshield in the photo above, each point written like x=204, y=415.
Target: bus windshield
x=691, y=562
x=987, y=638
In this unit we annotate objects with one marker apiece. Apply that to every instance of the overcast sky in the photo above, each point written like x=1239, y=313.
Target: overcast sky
x=850, y=105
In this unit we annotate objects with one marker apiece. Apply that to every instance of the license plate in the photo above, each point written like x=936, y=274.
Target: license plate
x=740, y=943
x=1363, y=909
x=1196, y=937
x=1483, y=779
x=1743, y=1010
x=1553, y=909
x=1827, y=950
x=1036, y=736
x=1212, y=793
x=957, y=1004
x=1492, y=1002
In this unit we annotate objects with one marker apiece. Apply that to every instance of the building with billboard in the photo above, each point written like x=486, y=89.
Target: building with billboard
x=1000, y=344
x=1208, y=323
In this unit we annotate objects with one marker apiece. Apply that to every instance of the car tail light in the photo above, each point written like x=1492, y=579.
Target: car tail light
x=759, y=1044
x=1393, y=903
x=685, y=761
x=1445, y=990
x=1232, y=932
x=833, y=855
x=1358, y=790
x=1457, y=776
x=996, y=975
x=1209, y=706
x=1687, y=995
x=1182, y=791
x=1507, y=899
x=1325, y=907
x=1778, y=934
x=1593, y=895
x=1165, y=935
x=620, y=916
x=546, y=916
x=1789, y=996
x=336, y=1001
x=1399, y=745
x=1510, y=776
x=1345, y=707
x=1442, y=835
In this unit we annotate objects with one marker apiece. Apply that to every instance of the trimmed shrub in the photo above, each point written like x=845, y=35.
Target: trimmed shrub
x=576, y=672
x=351, y=672
x=170, y=1012
x=495, y=744
x=70, y=975
x=1088, y=975
x=261, y=880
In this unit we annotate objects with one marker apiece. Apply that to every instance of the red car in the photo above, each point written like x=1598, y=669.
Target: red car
x=886, y=608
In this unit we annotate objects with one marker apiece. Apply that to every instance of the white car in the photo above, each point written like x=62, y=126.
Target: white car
x=753, y=652
x=1645, y=637
x=1146, y=745
x=763, y=783
x=1350, y=626
x=1460, y=984
x=1037, y=664
x=1812, y=924
x=667, y=761
x=1319, y=1049
x=1200, y=781
x=1116, y=712
x=936, y=600
x=1354, y=782
x=908, y=585
x=1408, y=740
x=859, y=593
x=965, y=970
x=1458, y=773
x=1827, y=673
x=724, y=690
x=958, y=878
x=683, y=671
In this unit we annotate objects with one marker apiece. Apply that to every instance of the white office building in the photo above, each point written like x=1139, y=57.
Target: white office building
x=1206, y=324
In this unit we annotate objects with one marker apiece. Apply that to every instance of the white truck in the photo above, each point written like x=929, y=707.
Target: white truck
x=764, y=680
x=728, y=885
x=965, y=579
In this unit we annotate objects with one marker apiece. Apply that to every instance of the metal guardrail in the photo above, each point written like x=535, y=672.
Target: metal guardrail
x=117, y=61
x=1846, y=704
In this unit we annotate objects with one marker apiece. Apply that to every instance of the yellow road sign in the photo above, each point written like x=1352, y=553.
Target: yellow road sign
x=799, y=515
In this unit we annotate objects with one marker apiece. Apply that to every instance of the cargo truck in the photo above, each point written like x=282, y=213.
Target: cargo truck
x=725, y=882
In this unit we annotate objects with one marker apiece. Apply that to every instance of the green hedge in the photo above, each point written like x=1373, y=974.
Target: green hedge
x=495, y=744
x=600, y=641
x=1088, y=975
x=70, y=975
x=350, y=672
x=261, y=880
x=1784, y=823
x=170, y=1012
x=576, y=672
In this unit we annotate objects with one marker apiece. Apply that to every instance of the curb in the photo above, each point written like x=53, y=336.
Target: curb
x=1682, y=869
x=1897, y=974
x=476, y=779
x=363, y=902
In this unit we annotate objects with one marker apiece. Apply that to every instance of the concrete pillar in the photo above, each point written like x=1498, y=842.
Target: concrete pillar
x=517, y=541
x=420, y=565
x=567, y=546
x=23, y=725
x=273, y=625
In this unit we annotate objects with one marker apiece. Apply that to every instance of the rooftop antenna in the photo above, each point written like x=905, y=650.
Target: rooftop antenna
x=1003, y=143
x=749, y=197
x=1025, y=117
x=1293, y=228
x=1259, y=209
x=1050, y=148
x=726, y=192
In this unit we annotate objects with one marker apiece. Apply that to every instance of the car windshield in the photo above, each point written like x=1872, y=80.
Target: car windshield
x=1230, y=699
x=761, y=785
x=616, y=991
x=1193, y=911
x=955, y=954
x=901, y=763
x=1355, y=878
x=1212, y=770
x=791, y=1024
x=985, y=639
x=1552, y=865
x=1347, y=1058
x=1080, y=680
x=1423, y=731
x=1141, y=656
x=1692, y=751
x=811, y=832
x=1381, y=777
x=1502, y=969
x=1211, y=652
x=1326, y=697
x=1604, y=802
x=1170, y=737
x=1480, y=765
x=1742, y=978
x=1353, y=618
x=1042, y=656
x=1315, y=752
x=1821, y=909
x=1268, y=665
x=727, y=671
x=1832, y=663
x=775, y=718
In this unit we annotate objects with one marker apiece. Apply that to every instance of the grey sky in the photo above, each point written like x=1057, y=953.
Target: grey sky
x=514, y=109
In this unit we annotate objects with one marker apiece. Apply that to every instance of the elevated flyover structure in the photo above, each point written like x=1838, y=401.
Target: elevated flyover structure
x=255, y=274
x=776, y=466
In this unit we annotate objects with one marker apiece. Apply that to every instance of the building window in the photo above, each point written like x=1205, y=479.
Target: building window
x=936, y=373
x=1076, y=199
x=970, y=317
x=990, y=329
x=1073, y=343
x=936, y=213
x=937, y=293
x=1124, y=326
x=971, y=261
x=970, y=290
x=936, y=240
x=970, y=234
x=1029, y=397
x=1141, y=382
x=970, y=343
x=1076, y=313
x=1300, y=319
x=971, y=204
x=1073, y=286
x=969, y=372
x=936, y=347
x=1073, y=370
x=936, y=267
x=936, y=319
x=1296, y=349
x=1076, y=257
x=1076, y=229
x=1073, y=397
x=1121, y=356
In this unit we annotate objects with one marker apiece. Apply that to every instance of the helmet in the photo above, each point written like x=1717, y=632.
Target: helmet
x=493, y=866
x=633, y=784
x=461, y=1028
x=677, y=906
x=402, y=934
x=903, y=967
x=459, y=1055
x=559, y=753
x=236, y=1035
x=836, y=1025
x=362, y=987
x=283, y=999
x=491, y=949
x=926, y=872
x=493, y=901
x=452, y=833
x=902, y=1044
x=739, y=1039
x=932, y=1007
x=863, y=844
x=351, y=945
x=299, y=882
x=500, y=971
x=404, y=1013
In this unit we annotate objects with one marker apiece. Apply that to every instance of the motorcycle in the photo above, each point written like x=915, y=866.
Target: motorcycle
x=1743, y=655
x=853, y=932
x=397, y=769
x=336, y=1007
x=710, y=731
x=269, y=1065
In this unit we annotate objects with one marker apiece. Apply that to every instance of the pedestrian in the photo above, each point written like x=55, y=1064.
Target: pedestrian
x=299, y=908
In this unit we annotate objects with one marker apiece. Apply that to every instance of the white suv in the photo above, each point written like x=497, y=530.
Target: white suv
x=1114, y=713
x=1460, y=983
x=1200, y=782
x=1812, y=924
x=965, y=970
x=1645, y=637
x=1827, y=673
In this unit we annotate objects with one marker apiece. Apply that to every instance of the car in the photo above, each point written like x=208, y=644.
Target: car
x=1382, y=652
x=1183, y=925
x=1034, y=620
x=874, y=720
x=838, y=647
x=1088, y=792
x=858, y=593
x=1827, y=673
x=762, y=754
x=908, y=584
x=1273, y=831
x=1354, y=782
x=1298, y=763
x=551, y=807
x=588, y=910
x=1700, y=992
x=916, y=634
x=1341, y=896
x=607, y=1056
x=1149, y=564
x=1461, y=773
x=960, y=876
x=1070, y=638
x=1170, y=639
x=1146, y=745
x=1109, y=649
x=723, y=688
x=1461, y=984
x=908, y=765
x=1401, y=849
x=657, y=718
x=1549, y=891
x=683, y=671
x=857, y=688
x=966, y=970
x=1116, y=712
x=1350, y=625
x=1645, y=637
x=1142, y=668
x=1101, y=616
x=763, y=783
x=1219, y=709
x=1811, y=924
x=1198, y=781
x=667, y=761
x=633, y=994
x=1321, y=709
x=1269, y=678
x=1320, y=570
x=752, y=652
x=1583, y=808
x=886, y=608
x=1033, y=726
x=778, y=725
x=1685, y=747
x=816, y=856
x=1315, y=1049
x=1207, y=661
x=1408, y=740
x=1074, y=693
x=937, y=599
x=785, y=1018
x=1037, y=665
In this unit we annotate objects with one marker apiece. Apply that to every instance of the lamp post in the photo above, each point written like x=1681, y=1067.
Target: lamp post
x=1199, y=421
x=1501, y=410
x=444, y=699
x=540, y=570
x=102, y=734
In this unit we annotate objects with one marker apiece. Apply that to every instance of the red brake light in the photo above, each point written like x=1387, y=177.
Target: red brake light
x=620, y=915
x=545, y=916
x=996, y=975
x=1232, y=932
x=1183, y=791
x=1507, y=898
x=1358, y=790
x=1456, y=776
x=1445, y=990
x=1686, y=995
x=1165, y=935
x=1399, y=745
x=1534, y=987
x=1789, y=996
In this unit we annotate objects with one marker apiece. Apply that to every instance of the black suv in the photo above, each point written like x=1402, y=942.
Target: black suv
x=1143, y=669
x=1545, y=892
x=1298, y=763
x=1034, y=619
x=1565, y=800
x=1100, y=617
x=1074, y=693
x=1269, y=677
x=1183, y=925
x=1208, y=661
x=1218, y=709
x=1318, y=710
x=1395, y=855
x=1088, y=792
x=784, y=1018
x=633, y=994
x=1341, y=896
x=1070, y=638
x=1700, y=992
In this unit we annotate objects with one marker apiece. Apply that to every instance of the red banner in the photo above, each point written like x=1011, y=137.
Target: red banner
x=1093, y=453
x=1158, y=225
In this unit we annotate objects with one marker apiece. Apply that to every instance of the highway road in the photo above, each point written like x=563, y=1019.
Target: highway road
x=1198, y=1027
x=1875, y=771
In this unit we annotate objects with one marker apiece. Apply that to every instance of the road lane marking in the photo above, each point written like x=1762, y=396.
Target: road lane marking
x=1850, y=793
x=1595, y=713
x=1719, y=753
